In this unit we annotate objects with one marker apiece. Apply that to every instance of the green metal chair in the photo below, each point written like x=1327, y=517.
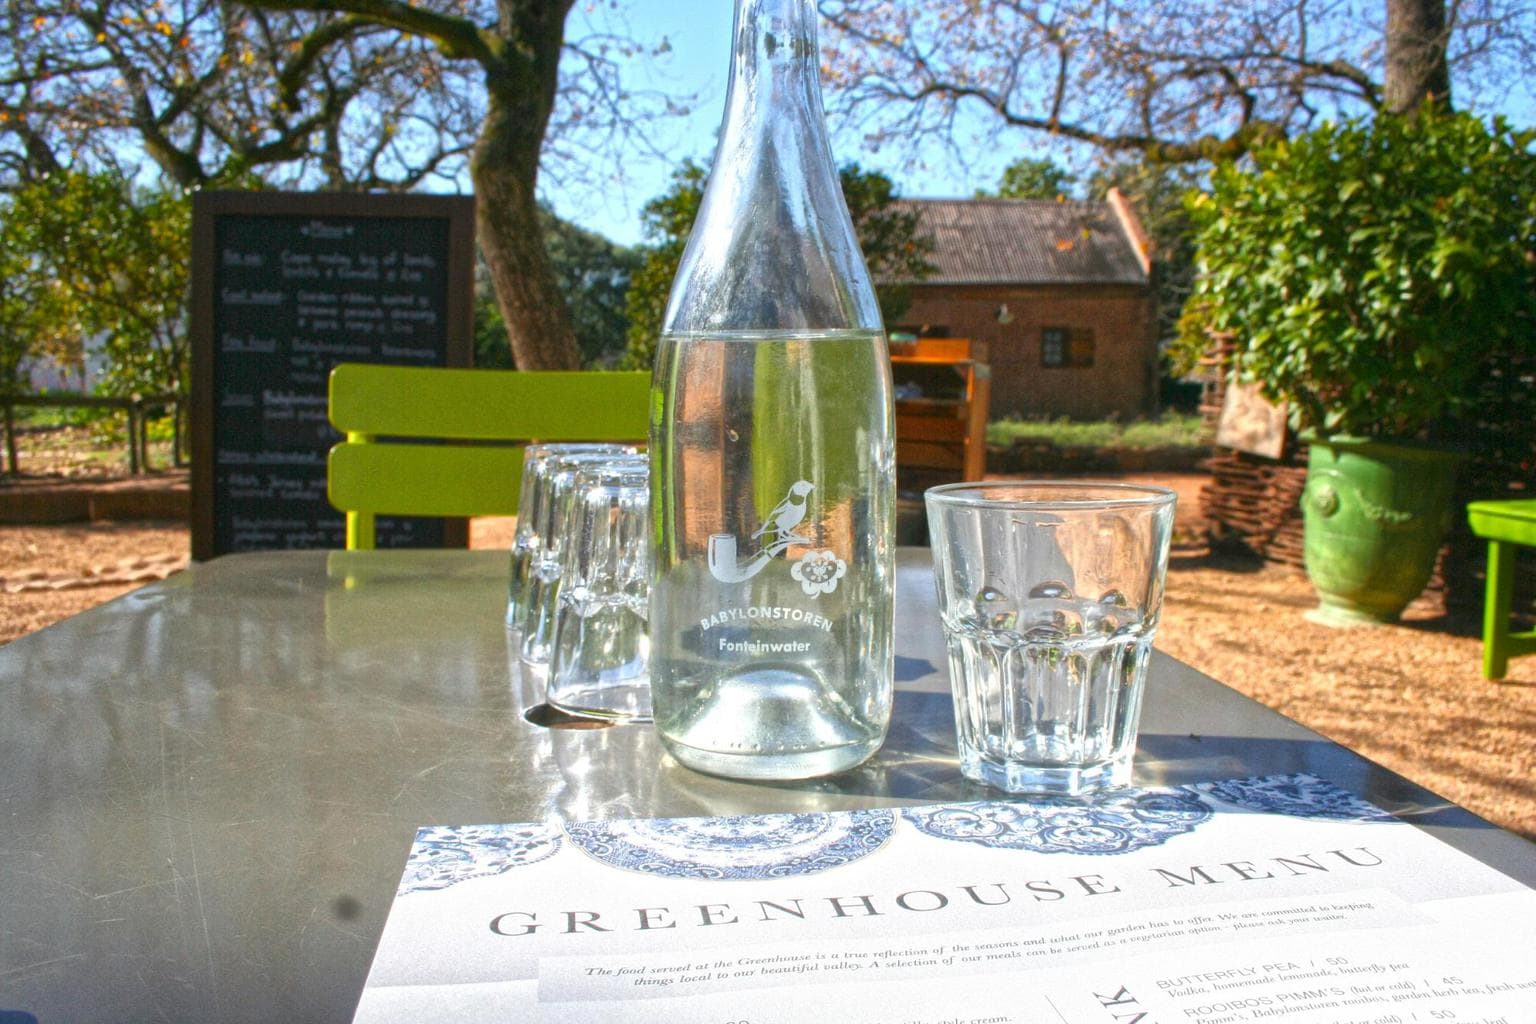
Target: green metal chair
x=1506, y=525
x=382, y=468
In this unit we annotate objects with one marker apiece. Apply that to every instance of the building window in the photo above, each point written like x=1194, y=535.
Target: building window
x=1066, y=346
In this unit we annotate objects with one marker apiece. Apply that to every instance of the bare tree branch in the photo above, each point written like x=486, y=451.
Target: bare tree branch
x=1197, y=80
x=341, y=93
x=456, y=36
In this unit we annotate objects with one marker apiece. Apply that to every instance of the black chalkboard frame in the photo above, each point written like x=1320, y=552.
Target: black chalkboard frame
x=209, y=208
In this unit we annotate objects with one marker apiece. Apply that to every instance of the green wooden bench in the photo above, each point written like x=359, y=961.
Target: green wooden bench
x=387, y=412
x=1506, y=525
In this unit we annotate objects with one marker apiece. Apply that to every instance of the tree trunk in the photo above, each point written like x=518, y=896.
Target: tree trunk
x=520, y=91
x=506, y=220
x=1417, y=71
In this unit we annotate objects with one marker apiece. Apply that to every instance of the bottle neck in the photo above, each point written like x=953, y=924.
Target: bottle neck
x=775, y=34
x=775, y=84
x=773, y=245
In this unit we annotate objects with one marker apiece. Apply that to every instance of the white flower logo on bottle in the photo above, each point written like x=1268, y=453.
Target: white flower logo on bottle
x=818, y=572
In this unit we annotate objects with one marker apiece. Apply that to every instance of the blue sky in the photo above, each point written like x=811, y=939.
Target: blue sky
x=699, y=32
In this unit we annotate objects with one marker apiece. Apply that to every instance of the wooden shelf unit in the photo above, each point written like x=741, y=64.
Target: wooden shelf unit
x=941, y=433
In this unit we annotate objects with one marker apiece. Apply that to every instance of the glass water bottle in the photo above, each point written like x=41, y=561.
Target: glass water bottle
x=772, y=463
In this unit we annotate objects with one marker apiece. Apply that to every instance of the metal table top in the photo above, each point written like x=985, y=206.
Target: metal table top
x=208, y=787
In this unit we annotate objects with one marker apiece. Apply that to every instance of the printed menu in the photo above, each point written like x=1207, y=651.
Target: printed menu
x=1278, y=899
x=287, y=285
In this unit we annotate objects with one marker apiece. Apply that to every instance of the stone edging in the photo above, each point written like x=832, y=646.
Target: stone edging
x=66, y=501
x=133, y=570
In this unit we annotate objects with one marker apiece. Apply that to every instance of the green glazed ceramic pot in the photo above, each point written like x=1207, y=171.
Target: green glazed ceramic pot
x=1374, y=514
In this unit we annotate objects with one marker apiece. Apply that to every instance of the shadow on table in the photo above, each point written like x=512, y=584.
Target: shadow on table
x=919, y=762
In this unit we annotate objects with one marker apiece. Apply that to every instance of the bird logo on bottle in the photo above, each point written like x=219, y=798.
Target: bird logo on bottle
x=779, y=525
x=775, y=536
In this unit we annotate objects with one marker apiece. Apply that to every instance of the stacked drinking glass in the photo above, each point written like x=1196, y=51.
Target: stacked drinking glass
x=581, y=577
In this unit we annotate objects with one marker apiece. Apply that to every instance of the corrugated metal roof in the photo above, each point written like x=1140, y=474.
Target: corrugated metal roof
x=1027, y=241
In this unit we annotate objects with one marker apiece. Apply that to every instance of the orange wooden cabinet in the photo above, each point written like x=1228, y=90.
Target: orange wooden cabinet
x=943, y=395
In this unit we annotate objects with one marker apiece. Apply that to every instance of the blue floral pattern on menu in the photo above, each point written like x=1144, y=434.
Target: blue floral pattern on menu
x=786, y=845
x=739, y=846
x=444, y=856
x=1107, y=825
x=1302, y=796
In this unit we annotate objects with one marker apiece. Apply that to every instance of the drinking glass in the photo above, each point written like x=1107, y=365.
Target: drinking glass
x=1049, y=594
x=600, y=648
x=552, y=516
x=526, y=540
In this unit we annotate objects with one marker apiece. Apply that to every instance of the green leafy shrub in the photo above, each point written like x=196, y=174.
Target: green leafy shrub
x=98, y=255
x=1171, y=430
x=1368, y=271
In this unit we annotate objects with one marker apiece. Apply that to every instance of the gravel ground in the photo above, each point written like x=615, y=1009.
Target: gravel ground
x=51, y=572
x=1408, y=696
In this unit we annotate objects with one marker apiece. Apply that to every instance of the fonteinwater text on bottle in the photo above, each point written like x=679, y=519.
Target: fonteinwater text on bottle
x=772, y=481
x=1048, y=698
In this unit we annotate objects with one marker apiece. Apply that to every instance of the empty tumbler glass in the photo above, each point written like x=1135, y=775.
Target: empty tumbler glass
x=600, y=648
x=527, y=540
x=1049, y=593
x=537, y=614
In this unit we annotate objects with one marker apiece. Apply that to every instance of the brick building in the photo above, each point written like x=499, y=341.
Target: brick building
x=1060, y=294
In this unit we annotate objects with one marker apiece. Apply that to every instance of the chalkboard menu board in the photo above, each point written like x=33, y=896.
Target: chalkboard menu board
x=285, y=286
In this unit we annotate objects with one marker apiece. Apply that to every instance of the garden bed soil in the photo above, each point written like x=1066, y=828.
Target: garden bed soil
x=51, y=499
